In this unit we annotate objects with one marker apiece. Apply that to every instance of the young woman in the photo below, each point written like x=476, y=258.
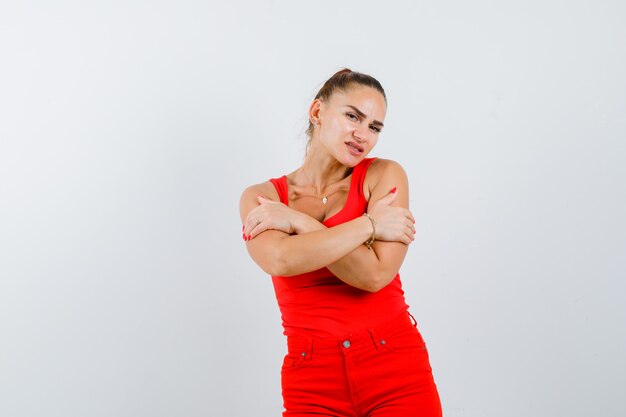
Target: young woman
x=333, y=234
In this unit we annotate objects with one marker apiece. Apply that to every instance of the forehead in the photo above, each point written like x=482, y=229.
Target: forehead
x=369, y=100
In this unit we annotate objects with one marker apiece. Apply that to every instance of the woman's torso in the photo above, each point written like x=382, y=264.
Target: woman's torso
x=318, y=303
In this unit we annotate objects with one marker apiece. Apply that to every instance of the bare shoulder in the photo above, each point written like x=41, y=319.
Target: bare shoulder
x=249, y=195
x=382, y=165
x=266, y=189
x=382, y=171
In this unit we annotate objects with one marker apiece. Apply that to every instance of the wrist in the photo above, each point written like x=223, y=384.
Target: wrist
x=372, y=237
x=303, y=223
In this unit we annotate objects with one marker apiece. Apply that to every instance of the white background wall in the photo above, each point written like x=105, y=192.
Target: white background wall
x=129, y=129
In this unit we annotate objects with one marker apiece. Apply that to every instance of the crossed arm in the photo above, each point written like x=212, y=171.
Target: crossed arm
x=288, y=242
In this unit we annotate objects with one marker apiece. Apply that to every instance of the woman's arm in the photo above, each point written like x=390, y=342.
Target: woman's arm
x=362, y=268
x=279, y=253
x=370, y=270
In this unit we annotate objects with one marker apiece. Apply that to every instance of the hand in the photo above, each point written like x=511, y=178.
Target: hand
x=267, y=215
x=393, y=224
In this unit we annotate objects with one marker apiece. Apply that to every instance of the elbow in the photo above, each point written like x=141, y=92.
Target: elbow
x=374, y=286
x=378, y=281
x=278, y=265
x=276, y=269
x=281, y=262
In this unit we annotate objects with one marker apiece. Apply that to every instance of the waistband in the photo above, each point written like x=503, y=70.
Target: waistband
x=306, y=344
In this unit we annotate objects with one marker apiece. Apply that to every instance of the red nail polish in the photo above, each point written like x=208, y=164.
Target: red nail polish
x=243, y=236
x=243, y=227
x=393, y=190
x=248, y=237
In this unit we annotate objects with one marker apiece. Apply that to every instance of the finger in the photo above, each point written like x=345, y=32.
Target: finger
x=409, y=236
x=409, y=224
x=257, y=230
x=246, y=234
x=411, y=217
x=243, y=229
x=261, y=199
x=247, y=226
x=252, y=221
x=391, y=192
x=410, y=232
x=390, y=198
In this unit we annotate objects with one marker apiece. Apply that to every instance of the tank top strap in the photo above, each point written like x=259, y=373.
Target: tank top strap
x=280, y=184
x=359, y=173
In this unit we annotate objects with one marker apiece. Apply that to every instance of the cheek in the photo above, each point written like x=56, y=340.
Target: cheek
x=337, y=126
x=335, y=133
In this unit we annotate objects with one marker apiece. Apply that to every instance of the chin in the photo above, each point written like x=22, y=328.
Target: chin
x=351, y=161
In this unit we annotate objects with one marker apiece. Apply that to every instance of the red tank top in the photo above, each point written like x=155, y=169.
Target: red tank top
x=317, y=303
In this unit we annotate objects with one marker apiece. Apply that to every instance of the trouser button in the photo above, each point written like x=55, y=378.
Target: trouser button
x=346, y=344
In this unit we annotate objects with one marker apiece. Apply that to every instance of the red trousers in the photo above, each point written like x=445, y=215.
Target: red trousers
x=380, y=372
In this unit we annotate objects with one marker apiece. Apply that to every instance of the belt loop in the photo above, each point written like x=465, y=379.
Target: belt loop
x=414, y=321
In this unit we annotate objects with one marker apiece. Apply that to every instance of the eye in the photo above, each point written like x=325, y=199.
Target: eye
x=352, y=116
x=377, y=129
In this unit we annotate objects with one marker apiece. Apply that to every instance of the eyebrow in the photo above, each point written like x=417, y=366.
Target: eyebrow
x=360, y=113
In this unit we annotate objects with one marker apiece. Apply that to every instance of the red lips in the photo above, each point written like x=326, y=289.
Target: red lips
x=356, y=145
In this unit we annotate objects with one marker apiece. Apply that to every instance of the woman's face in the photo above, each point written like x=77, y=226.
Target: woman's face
x=350, y=122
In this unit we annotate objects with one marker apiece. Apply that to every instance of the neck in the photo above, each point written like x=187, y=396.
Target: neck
x=320, y=169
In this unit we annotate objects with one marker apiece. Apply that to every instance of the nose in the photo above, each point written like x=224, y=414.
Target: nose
x=360, y=133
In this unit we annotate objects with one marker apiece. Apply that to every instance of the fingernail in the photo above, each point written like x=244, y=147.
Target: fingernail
x=248, y=237
x=243, y=227
x=393, y=190
x=260, y=196
x=243, y=236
